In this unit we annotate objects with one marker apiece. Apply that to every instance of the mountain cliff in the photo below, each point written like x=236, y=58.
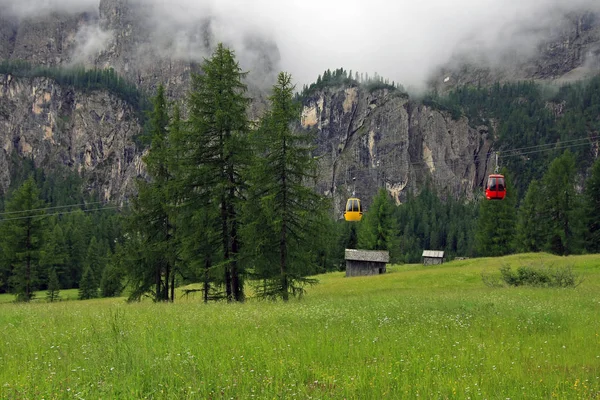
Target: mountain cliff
x=52, y=125
x=566, y=51
x=379, y=137
x=370, y=139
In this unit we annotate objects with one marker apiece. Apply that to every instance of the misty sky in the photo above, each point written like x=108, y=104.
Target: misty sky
x=401, y=40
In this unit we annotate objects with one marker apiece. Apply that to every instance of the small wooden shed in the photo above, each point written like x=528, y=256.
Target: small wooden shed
x=433, y=257
x=366, y=262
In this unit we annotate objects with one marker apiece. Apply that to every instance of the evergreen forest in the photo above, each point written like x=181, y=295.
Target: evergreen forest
x=230, y=203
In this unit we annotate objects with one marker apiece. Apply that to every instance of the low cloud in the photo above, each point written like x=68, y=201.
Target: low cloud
x=402, y=41
x=36, y=8
x=89, y=42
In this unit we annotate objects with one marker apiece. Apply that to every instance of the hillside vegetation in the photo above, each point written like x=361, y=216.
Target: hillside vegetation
x=435, y=332
x=533, y=123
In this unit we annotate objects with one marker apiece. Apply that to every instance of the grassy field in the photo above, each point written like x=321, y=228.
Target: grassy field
x=435, y=332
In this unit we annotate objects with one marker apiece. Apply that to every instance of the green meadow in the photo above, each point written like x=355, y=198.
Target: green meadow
x=429, y=332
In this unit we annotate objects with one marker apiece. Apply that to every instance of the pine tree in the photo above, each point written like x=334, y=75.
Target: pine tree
x=217, y=155
x=283, y=212
x=562, y=205
x=592, y=204
x=95, y=259
x=21, y=239
x=53, y=285
x=54, y=253
x=76, y=230
x=88, y=289
x=111, y=284
x=152, y=222
x=531, y=229
x=378, y=228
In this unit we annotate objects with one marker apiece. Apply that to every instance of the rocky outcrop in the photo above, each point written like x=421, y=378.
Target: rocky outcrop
x=47, y=40
x=383, y=139
x=89, y=132
x=569, y=52
x=137, y=50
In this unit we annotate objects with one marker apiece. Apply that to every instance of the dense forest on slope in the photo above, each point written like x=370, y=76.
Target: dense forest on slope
x=534, y=123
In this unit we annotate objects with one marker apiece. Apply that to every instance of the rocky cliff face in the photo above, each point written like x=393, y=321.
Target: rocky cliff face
x=383, y=139
x=92, y=133
x=569, y=51
x=135, y=39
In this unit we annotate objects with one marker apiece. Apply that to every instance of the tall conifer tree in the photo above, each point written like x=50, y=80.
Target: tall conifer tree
x=562, y=206
x=282, y=209
x=217, y=155
x=378, y=228
x=531, y=225
x=21, y=239
x=53, y=285
x=592, y=203
x=152, y=225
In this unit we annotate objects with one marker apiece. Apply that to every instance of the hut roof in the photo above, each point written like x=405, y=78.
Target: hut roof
x=368, y=255
x=433, y=254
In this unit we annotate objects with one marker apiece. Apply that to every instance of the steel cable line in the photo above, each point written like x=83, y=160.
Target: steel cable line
x=58, y=213
x=511, y=152
x=508, y=153
x=49, y=208
x=549, y=145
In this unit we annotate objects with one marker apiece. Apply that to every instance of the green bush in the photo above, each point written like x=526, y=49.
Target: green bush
x=537, y=276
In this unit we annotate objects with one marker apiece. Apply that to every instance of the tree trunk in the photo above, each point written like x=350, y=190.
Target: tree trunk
x=206, y=278
x=157, y=283
x=225, y=237
x=165, y=296
x=236, y=286
x=283, y=236
x=172, y=287
x=28, y=266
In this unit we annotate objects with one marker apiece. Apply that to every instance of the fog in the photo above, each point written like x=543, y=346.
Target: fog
x=404, y=41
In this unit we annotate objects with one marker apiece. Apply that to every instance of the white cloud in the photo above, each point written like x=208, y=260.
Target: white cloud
x=401, y=40
x=30, y=8
x=90, y=41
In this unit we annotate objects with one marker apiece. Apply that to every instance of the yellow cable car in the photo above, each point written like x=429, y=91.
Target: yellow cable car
x=353, y=210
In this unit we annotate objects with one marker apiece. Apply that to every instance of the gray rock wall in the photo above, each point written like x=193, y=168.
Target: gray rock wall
x=386, y=141
x=91, y=133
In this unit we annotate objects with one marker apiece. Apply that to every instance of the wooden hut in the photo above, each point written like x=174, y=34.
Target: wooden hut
x=433, y=257
x=366, y=262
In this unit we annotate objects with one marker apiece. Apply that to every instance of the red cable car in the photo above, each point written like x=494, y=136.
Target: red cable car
x=495, y=188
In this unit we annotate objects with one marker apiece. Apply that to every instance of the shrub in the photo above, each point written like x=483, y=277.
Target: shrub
x=537, y=276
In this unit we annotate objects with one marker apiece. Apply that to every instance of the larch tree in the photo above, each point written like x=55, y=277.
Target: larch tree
x=152, y=226
x=282, y=210
x=22, y=233
x=562, y=206
x=54, y=253
x=531, y=226
x=217, y=156
x=88, y=287
x=592, y=208
x=53, y=285
x=378, y=228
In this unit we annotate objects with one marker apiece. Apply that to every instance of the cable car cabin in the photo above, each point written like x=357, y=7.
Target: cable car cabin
x=353, y=210
x=495, y=188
